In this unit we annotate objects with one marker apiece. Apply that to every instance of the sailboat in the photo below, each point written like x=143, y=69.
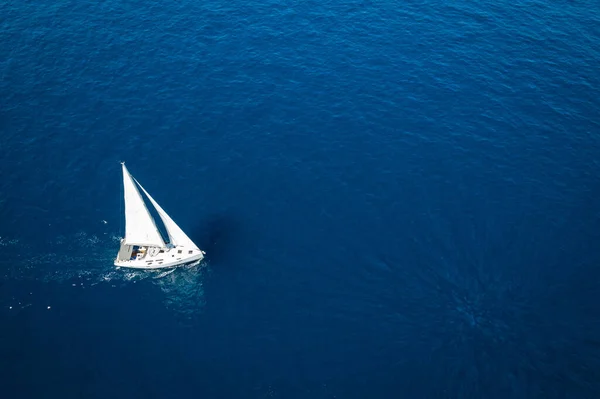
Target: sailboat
x=143, y=246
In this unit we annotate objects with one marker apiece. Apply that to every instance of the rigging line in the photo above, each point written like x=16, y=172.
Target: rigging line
x=121, y=212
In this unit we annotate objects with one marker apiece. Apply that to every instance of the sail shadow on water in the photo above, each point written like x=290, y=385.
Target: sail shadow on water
x=218, y=235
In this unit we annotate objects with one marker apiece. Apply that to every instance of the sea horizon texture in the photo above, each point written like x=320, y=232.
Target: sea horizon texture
x=396, y=199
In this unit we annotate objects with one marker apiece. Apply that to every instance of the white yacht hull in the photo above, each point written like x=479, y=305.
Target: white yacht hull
x=156, y=258
x=135, y=264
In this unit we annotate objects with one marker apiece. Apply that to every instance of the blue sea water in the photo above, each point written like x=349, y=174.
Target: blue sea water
x=397, y=199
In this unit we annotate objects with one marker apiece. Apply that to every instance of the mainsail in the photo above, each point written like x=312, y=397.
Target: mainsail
x=140, y=228
x=176, y=235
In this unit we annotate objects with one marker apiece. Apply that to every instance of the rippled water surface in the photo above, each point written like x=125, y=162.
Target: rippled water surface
x=397, y=199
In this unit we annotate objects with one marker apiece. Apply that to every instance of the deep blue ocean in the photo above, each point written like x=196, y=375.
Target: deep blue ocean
x=397, y=199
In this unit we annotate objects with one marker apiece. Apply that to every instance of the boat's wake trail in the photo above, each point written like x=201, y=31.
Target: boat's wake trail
x=83, y=261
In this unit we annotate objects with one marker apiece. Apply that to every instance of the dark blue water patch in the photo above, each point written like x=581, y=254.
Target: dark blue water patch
x=80, y=356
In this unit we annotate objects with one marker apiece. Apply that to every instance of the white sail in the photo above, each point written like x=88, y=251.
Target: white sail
x=140, y=228
x=176, y=235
